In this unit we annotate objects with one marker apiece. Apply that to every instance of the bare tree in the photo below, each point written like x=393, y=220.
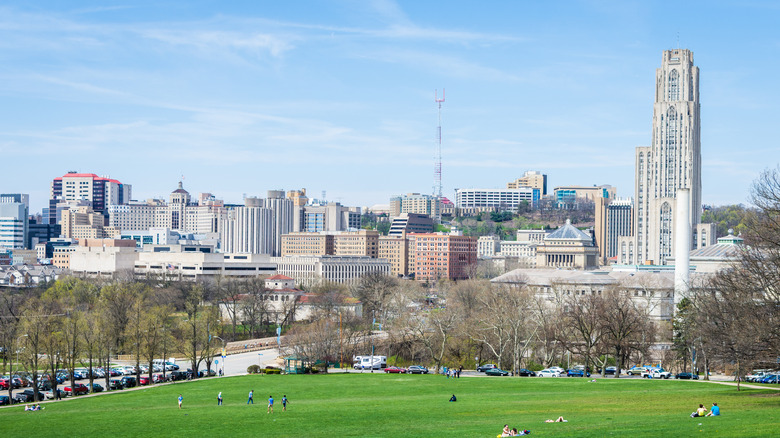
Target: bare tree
x=625, y=328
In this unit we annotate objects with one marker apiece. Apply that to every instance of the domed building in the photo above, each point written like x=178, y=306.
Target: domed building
x=567, y=248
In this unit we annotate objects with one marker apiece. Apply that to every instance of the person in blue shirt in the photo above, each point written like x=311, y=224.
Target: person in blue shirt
x=714, y=411
x=270, y=404
x=180, y=400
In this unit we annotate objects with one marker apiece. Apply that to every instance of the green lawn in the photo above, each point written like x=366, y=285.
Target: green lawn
x=380, y=405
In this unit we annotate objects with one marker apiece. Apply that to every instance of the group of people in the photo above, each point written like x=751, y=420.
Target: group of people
x=513, y=432
x=250, y=400
x=452, y=372
x=33, y=407
x=701, y=411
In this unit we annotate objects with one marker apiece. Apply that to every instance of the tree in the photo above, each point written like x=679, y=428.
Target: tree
x=154, y=341
x=582, y=324
x=625, y=327
x=739, y=310
x=375, y=291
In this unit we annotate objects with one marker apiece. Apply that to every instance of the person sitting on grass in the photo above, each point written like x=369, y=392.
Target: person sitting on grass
x=453, y=398
x=558, y=420
x=700, y=412
x=505, y=431
x=715, y=411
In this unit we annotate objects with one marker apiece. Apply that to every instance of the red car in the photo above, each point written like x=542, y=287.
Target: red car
x=3, y=383
x=396, y=370
x=143, y=380
x=157, y=378
x=78, y=389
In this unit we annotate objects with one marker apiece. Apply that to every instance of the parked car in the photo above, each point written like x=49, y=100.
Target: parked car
x=4, y=382
x=96, y=387
x=656, y=373
x=26, y=396
x=771, y=378
x=526, y=372
x=560, y=370
x=485, y=367
x=128, y=381
x=547, y=372
x=116, y=384
x=158, y=378
x=177, y=375
x=637, y=371
x=610, y=370
x=395, y=370
x=686, y=376
x=49, y=395
x=44, y=385
x=577, y=373
x=4, y=400
x=77, y=389
x=116, y=372
x=417, y=369
x=496, y=372
x=143, y=380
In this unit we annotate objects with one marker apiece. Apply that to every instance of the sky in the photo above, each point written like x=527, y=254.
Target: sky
x=238, y=98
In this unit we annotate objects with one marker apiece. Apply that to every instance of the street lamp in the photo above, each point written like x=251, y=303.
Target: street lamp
x=223, y=354
x=11, y=368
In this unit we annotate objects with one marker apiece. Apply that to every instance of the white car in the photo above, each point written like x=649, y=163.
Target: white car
x=558, y=369
x=549, y=372
x=656, y=373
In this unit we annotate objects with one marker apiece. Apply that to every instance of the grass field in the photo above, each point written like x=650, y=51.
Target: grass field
x=379, y=405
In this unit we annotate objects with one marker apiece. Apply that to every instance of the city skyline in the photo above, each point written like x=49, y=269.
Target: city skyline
x=339, y=96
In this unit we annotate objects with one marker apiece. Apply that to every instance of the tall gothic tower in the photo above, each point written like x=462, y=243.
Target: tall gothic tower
x=672, y=162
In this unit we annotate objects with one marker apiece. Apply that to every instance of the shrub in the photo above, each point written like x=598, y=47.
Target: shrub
x=273, y=371
x=254, y=369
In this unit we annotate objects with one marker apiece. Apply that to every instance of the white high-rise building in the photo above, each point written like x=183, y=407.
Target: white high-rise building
x=248, y=229
x=672, y=162
x=282, y=220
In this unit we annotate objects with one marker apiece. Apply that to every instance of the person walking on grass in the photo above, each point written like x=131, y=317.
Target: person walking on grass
x=270, y=404
x=251, y=397
x=219, y=399
x=180, y=400
x=284, y=403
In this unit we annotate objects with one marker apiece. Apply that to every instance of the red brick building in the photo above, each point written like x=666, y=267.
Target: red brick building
x=438, y=256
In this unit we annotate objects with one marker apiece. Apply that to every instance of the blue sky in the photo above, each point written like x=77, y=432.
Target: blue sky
x=243, y=97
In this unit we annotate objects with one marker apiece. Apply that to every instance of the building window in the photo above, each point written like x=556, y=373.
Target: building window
x=674, y=86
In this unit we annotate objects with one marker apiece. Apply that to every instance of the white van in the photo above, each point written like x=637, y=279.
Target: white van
x=369, y=362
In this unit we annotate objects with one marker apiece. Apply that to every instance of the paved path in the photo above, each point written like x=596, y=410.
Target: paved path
x=741, y=385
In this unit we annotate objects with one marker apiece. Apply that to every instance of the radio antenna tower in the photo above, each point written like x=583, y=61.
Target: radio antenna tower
x=437, y=157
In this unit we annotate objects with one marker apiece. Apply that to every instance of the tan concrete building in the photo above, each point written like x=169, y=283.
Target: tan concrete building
x=356, y=243
x=396, y=250
x=415, y=203
x=84, y=223
x=61, y=258
x=533, y=179
x=309, y=270
x=307, y=244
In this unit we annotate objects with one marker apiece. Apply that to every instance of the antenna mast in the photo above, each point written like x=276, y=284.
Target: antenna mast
x=437, y=157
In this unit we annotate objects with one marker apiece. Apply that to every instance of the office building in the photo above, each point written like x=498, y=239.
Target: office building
x=99, y=191
x=310, y=270
x=496, y=199
x=307, y=244
x=444, y=256
x=397, y=251
x=410, y=223
x=282, y=218
x=569, y=197
x=330, y=217
x=488, y=246
x=613, y=220
x=13, y=225
x=533, y=179
x=415, y=203
x=247, y=229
